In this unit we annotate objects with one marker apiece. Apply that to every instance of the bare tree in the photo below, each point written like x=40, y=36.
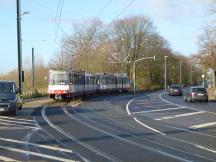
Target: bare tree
x=207, y=52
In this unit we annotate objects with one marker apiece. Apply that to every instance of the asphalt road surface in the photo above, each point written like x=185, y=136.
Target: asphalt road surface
x=151, y=127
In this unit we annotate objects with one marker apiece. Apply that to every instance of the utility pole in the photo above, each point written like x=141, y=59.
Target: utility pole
x=165, y=74
x=180, y=77
x=134, y=70
x=33, y=69
x=19, y=47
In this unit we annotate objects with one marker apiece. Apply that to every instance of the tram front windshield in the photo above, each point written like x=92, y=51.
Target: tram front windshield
x=59, y=79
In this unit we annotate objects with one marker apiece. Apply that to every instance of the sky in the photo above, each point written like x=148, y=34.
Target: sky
x=180, y=22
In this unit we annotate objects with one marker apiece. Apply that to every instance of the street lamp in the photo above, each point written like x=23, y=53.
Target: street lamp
x=203, y=76
x=180, y=75
x=134, y=70
x=165, y=73
x=19, y=45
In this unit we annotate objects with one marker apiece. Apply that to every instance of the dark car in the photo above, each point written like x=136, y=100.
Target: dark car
x=196, y=94
x=10, y=101
x=175, y=90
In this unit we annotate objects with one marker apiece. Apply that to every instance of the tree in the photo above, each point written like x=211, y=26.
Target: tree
x=207, y=51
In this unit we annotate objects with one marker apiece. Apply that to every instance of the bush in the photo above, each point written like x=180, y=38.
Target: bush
x=155, y=87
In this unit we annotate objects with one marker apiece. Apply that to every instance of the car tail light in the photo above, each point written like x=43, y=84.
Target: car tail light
x=191, y=94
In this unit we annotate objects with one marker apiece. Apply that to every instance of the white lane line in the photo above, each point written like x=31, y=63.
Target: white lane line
x=127, y=107
x=158, y=110
x=19, y=125
x=203, y=125
x=37, y=145
x=66, y=134
x=52, y=137
x=125, y=140
x=210, y=112
x=136, y=120
x=149, y=102
x=180, y=115
x=36, y=154
x=205, y=148
x=5, y=117
x=12, y=128
x=3, y=158
x=148, y=126
x=19, y=122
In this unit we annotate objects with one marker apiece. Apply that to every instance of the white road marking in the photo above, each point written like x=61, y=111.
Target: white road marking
x=36, y=154
x=127, y=107
x=125, y=140
x=36, y=145
x=158, y=110
x=5, y=117
x=203, y=125
x=135, y=119
x=160, y=96
x=207, y=149
x=149, y=102
x=52, y=137
x=180, y=115
x=3, y=158
x=148, y=126
x=12, y=128
x=19, y=125
x=19, y=122
x=91, y=148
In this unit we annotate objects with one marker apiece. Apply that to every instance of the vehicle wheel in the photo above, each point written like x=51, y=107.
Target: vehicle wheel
x=206, y=101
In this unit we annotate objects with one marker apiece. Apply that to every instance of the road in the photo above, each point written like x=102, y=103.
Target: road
x=146, y=127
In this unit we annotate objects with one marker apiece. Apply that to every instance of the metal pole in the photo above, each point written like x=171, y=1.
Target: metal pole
x=19, y=47
x=33, y=69
x=165, y=74
x=191, y=76
x=134, y=77
x=180, y=77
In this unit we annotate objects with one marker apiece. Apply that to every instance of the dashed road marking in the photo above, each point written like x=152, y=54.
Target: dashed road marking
x=148, y=127
x=180, y=115
x=139, y=122
x=14, y=121
x=27, y=120
x=36, y=154
x=31, y=127
x=37, y=145
x=3, y=158
x=159, y=110
x=68, y=135
x=203, y=125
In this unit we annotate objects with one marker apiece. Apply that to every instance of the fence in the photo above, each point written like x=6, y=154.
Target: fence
x=31, y=93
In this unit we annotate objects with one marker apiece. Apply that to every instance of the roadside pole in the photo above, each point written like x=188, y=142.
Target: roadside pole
x=19, y=47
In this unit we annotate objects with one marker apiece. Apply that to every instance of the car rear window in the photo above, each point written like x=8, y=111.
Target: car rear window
x=175, y=87
x=199, y=90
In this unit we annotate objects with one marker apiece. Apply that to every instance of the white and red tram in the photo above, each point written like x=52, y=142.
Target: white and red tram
x=69, y=84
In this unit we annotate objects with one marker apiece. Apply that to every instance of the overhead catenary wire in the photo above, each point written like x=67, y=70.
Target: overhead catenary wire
x=124, y=9
x=58, y=16
x=106, y=5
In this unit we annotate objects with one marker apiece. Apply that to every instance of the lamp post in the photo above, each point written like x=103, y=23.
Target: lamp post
x=180, y=71
x=19, y=45
x=165, y=73
x=134, y=70
x=203, y=82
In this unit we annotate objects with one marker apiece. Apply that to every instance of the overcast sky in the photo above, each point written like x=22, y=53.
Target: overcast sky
x=178, y=21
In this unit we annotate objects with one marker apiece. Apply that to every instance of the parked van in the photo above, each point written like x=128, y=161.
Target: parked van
x=10, y=101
